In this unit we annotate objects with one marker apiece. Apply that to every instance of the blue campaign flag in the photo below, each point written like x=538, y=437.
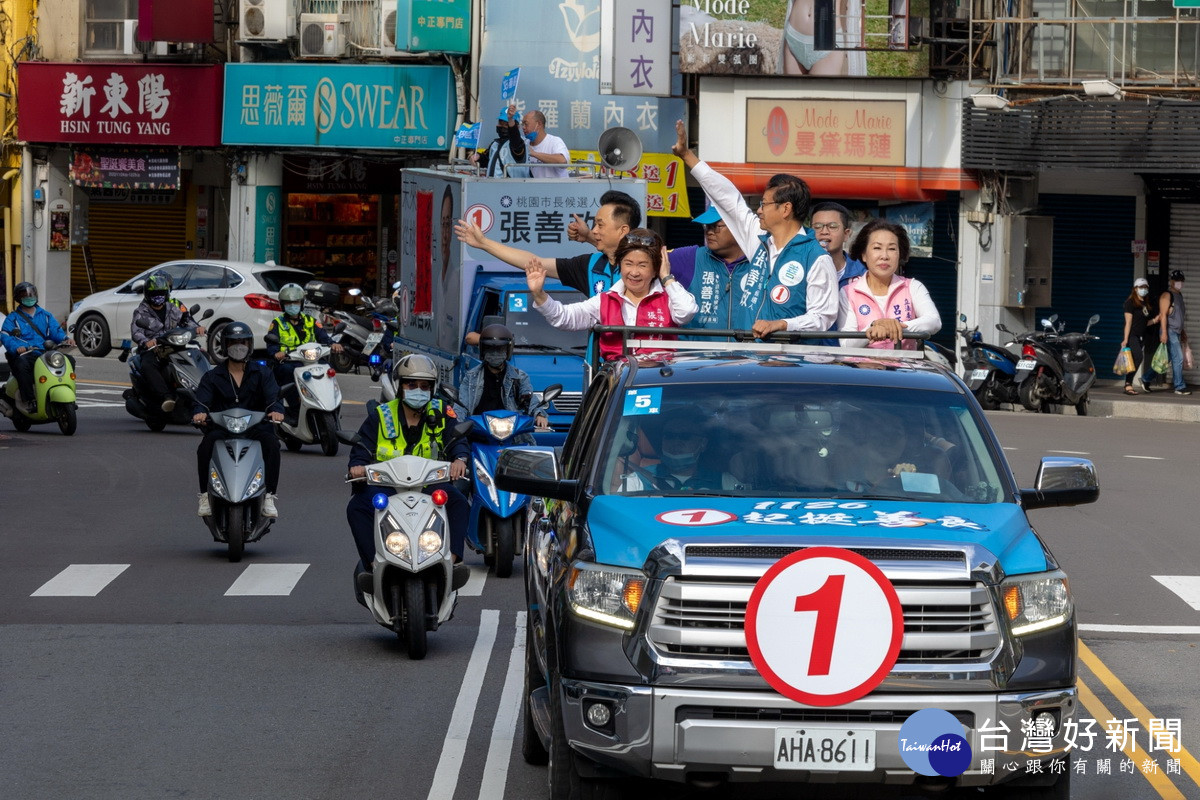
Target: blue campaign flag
x=508, y=84
x=467, y=136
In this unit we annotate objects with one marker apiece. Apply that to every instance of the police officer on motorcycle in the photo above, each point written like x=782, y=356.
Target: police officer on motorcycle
x=290, y=330
x=412, y=424
x=157, y=314
x=239, y=382
x=24, y=335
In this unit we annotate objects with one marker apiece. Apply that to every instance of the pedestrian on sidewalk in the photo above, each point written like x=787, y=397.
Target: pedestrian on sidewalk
x=1173, y=312
x=1140, y=317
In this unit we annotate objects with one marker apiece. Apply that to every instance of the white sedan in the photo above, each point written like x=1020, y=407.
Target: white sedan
x=234, y=290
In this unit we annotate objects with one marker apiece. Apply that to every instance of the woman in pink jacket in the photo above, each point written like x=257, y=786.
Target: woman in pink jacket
x=881, y=302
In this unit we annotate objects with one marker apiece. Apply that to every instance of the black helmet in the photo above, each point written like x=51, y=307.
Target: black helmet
x=157, y=282
x=236, y=332
x=24, y=289
x=495, y=337
x=1177, y=275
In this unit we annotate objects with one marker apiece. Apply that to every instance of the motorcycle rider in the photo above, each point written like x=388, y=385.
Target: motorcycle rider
x=24, y=337
x=292, y=329
x=238, y=382
x=409, y=425
x=496, y=384
x=157, y=314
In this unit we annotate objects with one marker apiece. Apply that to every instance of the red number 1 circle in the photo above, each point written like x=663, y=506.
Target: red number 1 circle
x=824, y=626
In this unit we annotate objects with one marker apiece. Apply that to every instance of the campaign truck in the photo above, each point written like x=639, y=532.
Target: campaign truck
x=768, y=562
x=448, y=289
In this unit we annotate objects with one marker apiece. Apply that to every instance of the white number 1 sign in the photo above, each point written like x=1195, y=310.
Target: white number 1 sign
x=824, y=626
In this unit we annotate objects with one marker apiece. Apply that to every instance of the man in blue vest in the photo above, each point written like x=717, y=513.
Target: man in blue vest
x=831, y=225
x=712, y=272
x=591, y=273
x=791, y=283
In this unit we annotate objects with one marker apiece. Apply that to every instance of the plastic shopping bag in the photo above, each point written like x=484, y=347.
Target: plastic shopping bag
x=1124, y=363
x=1188, y=361
x=1161, y=363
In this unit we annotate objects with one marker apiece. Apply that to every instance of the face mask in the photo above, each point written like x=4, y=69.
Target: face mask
x=1178, y=286
x=1142, y=291
x=416, y=398
x=157, y=299
x=675, y=462
x=238, y=352
x=502, y=131
x=292, y=309
x=531, y=136
x=495, y=358
x=29, y=302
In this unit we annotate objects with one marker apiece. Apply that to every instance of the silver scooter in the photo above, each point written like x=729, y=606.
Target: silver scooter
x=413, y=586
x=237, y=479
x=319, y=416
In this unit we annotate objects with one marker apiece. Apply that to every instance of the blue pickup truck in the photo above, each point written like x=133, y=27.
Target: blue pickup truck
x=778, y=563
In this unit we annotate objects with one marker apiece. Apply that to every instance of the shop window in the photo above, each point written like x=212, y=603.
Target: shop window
x=105, y=23
x=335, y=236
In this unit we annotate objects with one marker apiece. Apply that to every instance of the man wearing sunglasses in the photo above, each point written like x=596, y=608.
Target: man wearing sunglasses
x=791, y=284
x=713, y=272
x=831, y=224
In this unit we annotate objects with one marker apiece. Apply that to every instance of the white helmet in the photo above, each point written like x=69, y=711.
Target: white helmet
x=414, y=367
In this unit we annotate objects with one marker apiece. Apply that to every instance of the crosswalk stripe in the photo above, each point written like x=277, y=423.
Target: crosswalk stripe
x=1186, y=586
x=80, y=580
x=267, y=579
x=474, y=585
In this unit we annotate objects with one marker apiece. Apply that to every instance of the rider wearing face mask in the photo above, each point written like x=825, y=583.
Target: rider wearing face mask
x=416, y=424
x=287, y=332
x=496, y=384
x=24, y=337
x=157, y=314
x=239, y=382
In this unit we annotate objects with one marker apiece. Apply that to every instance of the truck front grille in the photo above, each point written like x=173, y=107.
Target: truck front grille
x=805, y=715
x=943, y=623
x=568, y=402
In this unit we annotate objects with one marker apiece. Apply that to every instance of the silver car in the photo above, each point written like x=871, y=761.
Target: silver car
x=238, y=290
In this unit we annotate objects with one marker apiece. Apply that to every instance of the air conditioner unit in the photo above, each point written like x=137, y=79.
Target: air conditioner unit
x=323, y=35
x=130, y=45
x=267, y=20
x=387, y=29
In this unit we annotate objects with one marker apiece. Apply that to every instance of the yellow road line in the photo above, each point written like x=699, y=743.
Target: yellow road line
x=1157, y=779
x=1125, y=697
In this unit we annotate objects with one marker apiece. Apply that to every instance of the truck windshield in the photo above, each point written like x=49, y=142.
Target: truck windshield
x=530, y=328
x=799, y=440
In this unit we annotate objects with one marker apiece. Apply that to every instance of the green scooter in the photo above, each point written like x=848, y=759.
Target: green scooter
x=54, y=391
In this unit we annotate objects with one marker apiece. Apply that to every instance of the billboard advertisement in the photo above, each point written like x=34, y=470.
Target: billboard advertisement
x=870, y=38
x=819, y=131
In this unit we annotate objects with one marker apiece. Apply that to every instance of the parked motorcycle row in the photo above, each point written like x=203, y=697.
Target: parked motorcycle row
x=1039, y=369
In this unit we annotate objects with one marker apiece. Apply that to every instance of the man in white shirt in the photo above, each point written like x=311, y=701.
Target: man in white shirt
x=544, y=147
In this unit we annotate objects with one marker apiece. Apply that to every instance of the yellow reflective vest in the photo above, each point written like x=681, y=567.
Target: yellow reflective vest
x=289, y=337
x=390, y=442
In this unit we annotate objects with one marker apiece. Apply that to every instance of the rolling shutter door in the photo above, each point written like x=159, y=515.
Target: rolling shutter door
x=127, y=238
x=1185, y=256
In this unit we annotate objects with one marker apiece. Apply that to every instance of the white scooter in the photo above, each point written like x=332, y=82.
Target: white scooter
x=413, y=585
x=319, y=416
x=237, y=478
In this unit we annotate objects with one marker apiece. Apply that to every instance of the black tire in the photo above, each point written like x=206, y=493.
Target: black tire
x=565, y=781
x=327, y=433
x=1081, y=408
x=1026, y=394
x=344, y=361
x=21, y=422
x=235, y=525
x=214, y=340
x=156, y=425
x=986, y=399
x=504, y=535
x=292, y=444
x=67, y=419
x=411, y=616
x=531, y=744
x=92, y=336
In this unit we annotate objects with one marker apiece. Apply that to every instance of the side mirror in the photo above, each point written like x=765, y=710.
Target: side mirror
x=194, y=310
x=207, y=314
x=450, y=393
x=354, y=292
x=138, y=286
x=341, y=326
x=550, y=392
x=534, y=471
x=347, y=437
x=962, y=318
x=1062, y=481
x=270, y=338
x=397, y=285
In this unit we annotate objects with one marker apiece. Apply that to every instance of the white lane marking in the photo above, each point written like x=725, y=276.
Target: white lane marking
x=1186, y=586
x=445, y=779
x=267, y=579
x=1147, y=458
x=1166, y=630
x=495, y=769
x=1070, y=452
x=1008, y=448
x=474, y=585
x=92, y=397
x=80, y=580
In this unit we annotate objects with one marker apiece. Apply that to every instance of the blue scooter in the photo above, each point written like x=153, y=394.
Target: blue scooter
x=496, y=515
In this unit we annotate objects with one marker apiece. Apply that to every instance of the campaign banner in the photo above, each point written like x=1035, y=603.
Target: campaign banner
x=917, y=220
x=508, y=85
x=383, y=106
x=666, y=189
x=467, y=135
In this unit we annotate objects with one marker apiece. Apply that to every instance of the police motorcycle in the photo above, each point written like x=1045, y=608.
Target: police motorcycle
x=319, y=416
x=237, y=476
x=360, y=334
x=497, y=517
x=988, y=369
x=187, y=362
x=1055, y=368
x=413, y=584
x=53, y=391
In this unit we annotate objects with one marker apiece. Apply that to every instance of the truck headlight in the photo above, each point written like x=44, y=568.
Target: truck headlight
x=1036, y=603
x=609, y=595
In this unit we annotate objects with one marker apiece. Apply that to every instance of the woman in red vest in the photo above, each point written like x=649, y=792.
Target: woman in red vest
x=881, y=302
x=646, y=295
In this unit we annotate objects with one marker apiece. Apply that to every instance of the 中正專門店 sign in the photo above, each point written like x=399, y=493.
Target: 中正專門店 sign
x=818, y=131
x=384, y=106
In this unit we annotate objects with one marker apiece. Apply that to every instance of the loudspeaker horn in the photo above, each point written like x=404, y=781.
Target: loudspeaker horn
x=620, y=149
